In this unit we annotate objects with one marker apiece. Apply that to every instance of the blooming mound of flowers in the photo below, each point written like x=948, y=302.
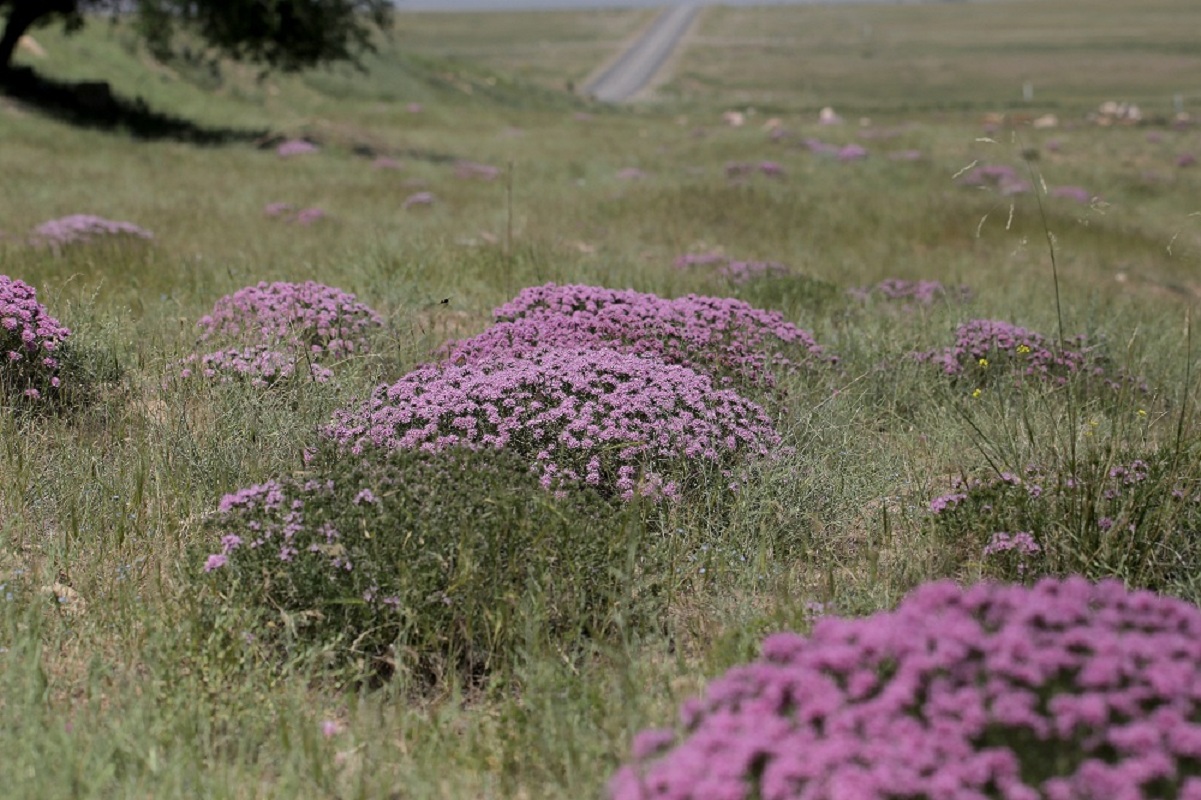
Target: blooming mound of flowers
x=610, y=420
x=1001, y=177
x=735, y=271
x=259, y=364
x=82, y=228
x=295, y=147
x=271, y=328
x=911, y=293
x=30, y=341
x=719, y=335
x=1063, y=690
x=322, y=319
x=1142, y=512
x=985, y=349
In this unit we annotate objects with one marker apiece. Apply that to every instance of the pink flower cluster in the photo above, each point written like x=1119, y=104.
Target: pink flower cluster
x=469, y=170
x=30, y=341
x=723, y=336
x=82, y=228
x=1065, y=690
x=611, y=420
x=984, y=348
x=1001, y=177
x=271, y=329
x=261, y=365
x=305, y=216
x=746, y=169
x=279, y=508
x=845, y=153
x=733, y=270
x=295, y=147
x=922, y=293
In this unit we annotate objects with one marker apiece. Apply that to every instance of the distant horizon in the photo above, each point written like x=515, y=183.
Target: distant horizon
x=578, y=5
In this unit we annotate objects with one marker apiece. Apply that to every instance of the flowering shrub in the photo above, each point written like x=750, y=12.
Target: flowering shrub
x=295, y=147
x=1001, y=177
x=30, y=344
x=424, y=562
x=734, y=271
x=1135, y=518
x=911, y=293
x=82, y=228
x=471, y=169
x=259, y=364
x=1063, y=690
x=852, y=152
x=418, y=199
x=268, y=330
x=616, y=422
x=1077, y=193
x=728, y=338
x=308, y=316
x=985, y=350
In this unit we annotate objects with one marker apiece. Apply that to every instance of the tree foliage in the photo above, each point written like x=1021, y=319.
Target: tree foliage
x=287, y=35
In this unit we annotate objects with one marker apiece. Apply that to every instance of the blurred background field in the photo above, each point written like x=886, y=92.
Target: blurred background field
x=117, y=692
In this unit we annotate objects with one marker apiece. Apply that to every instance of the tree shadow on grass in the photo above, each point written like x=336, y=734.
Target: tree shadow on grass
x=92, y=104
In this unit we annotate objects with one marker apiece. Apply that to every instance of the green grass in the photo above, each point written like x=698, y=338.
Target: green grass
x=945, y=57
x=126, y=690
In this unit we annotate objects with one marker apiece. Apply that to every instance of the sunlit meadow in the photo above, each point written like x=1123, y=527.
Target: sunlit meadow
x=434, y=433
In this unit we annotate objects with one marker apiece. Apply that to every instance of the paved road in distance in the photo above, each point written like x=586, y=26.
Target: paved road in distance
x=635, y=68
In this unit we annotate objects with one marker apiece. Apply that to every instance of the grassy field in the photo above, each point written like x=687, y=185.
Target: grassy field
x=125, y=674
x=959, y=57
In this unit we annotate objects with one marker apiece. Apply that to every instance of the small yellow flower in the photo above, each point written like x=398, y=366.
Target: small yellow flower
x=983, y=362
x=977, y=393
x=1023, y=348
x=1142, y=412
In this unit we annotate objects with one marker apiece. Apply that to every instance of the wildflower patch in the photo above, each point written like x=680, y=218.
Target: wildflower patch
x=741, y=346
x=31, y=342
x=1066, y=689
x=584, y=417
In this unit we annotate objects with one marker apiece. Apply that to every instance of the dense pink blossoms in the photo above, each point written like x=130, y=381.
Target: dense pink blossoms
x=30, y=341
x=615, y=421
x=320, y=318
x=985, y=348
x=735, y=271
x=728, y=338
x=910, y=293
x=81, y=228
x=1066, y=691
x=269, y=331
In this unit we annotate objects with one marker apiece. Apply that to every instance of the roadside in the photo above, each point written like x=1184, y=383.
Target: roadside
x=636, y=67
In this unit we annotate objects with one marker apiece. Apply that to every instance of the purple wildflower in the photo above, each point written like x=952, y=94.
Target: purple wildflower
x=307, y=216
x=215, y=561
x=1001, y=177
x=852, y=152
x=985, y=348
x=1064, y=689
x=727, y=337
x=82, y=228
x=1077, y=193
x=575, y=413
x=30, y=342
x=309, y=317
x=295, y=147
x=477, y=171
x=418, y=199
x=922, y=292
